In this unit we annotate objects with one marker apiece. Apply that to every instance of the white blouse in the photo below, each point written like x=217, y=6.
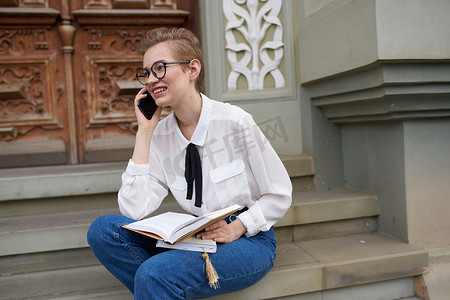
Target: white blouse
x=239, y=166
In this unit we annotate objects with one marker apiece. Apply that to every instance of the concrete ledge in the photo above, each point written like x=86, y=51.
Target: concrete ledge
x=57, y=181
x=54, y=232
x=298, y=165
x=392, y=289
x=300, y=268
x=42, y=233
x=333, y=263
x=384, y=91
x=58, y=283
x=295, y=272
x=438, y=278
x=88, y=179
x=313, y=207
x=365, y=257
x=31, y=234
x=47, y=261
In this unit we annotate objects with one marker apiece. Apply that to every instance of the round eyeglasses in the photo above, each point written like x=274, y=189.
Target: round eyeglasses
x=158, y=69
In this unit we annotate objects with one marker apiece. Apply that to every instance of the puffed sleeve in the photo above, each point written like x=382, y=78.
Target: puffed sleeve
x=143, y=188
x=270, y=176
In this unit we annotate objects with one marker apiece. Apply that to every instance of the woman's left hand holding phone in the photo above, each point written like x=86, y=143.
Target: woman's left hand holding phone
x=144, y=132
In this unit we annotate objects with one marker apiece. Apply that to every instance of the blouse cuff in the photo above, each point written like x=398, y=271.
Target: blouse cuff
x=246, y=219
x=136, y=170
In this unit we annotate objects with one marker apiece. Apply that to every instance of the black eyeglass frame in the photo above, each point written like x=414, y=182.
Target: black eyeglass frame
x=164, y=63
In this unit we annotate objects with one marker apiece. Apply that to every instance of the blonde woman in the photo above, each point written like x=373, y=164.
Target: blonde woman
x=210, y=155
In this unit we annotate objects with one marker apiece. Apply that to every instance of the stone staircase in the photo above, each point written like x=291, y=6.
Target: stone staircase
x=328, y=244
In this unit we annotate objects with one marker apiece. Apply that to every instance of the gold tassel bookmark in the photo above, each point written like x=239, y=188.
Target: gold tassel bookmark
x=211, y=272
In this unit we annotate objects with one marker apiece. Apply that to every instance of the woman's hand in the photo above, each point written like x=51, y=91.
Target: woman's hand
x=144, y=132
x=222, y=232
x=143, y=122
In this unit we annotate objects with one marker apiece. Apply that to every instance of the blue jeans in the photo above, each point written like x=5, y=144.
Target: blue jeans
x=157, y=273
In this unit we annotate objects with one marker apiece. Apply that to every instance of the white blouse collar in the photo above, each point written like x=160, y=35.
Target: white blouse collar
x=199, y=136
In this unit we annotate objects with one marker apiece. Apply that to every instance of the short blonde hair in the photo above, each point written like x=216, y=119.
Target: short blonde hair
x=185, y=44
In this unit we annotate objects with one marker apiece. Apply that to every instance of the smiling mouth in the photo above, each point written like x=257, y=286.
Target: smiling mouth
x=159, y=90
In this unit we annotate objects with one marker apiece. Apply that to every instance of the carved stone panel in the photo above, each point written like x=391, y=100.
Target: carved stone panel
x=255, y=32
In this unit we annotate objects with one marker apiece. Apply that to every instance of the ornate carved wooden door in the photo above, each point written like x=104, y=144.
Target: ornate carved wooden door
x=67, y=76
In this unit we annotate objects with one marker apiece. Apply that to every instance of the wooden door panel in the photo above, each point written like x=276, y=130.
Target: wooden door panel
x=32, y=100
x=105, y=87
x=106, y=54
x=67, y=80
x=107, y=95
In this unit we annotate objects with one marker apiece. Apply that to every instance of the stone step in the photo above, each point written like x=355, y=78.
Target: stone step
x=87, y=179
x=437, y=279
x=313, y=207
x=29, y=234
x=33, y=243
x=301, y=267
x=58, y=181
x=318, y=214
x=57, y=189
x=389, y=289
x=337, y=262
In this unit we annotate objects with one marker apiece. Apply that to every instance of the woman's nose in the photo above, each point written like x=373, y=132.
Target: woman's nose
x=152, y=78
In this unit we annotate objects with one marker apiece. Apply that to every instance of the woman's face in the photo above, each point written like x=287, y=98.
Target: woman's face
x=168, y=90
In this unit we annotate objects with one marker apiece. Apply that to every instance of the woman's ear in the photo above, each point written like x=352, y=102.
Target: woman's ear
x=194, y=66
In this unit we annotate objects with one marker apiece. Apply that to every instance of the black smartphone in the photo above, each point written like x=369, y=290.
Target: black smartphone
x=147, y=106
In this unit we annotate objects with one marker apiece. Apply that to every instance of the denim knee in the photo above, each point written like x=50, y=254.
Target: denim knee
x=102, y=229
x=94, y=230
x=151, y=271
x=154, y=281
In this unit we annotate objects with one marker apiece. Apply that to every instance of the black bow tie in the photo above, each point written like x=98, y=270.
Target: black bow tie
x=193, y=172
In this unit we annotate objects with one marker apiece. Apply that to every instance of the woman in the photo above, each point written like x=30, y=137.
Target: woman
x=210, y=155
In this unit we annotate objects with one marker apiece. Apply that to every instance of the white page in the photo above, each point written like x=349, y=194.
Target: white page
x=162, y=225
x=182, y=231
x=200, y=221
x=191, y=244
x=171, y=226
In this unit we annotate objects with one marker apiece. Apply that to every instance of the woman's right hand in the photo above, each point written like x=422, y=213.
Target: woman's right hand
x=143, y=123
x=144, y=131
